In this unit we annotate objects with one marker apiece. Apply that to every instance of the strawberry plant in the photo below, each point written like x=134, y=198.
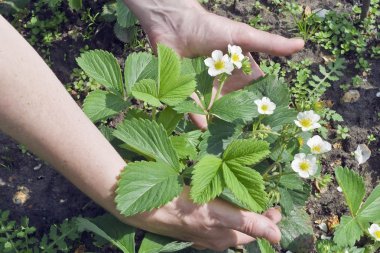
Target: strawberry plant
x=257, y=151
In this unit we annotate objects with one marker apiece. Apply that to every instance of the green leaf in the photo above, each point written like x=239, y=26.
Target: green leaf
x=204, y=81
x=219, y=134
x=173, y=87
x=228, y=196
x=153, y=243
x=125, y=17
x=144, y=186
x=108, y=227
x=139, y=66
x=184, y=147
x=237, y=105
x=246, y=184
x=207, y=179
x=352, y=186
x=265, y=246
x=189, y=106
x=280, y=117
x=99, y=105
x=370, y=209
x=149, y=139
x=169, y=118
x=103, y=67
x=146, y=90
x=269, y=86
x=292, y=182
x=297, y=232
x=246, y=152
x=293, y=198
x=348, y=232
x=75, y=4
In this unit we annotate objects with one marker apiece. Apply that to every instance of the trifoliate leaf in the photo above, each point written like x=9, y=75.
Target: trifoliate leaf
x=347, y=232
x=370, y=209
x=146, y=90
x=246, y=184
x=169, y=118
x=103, y=67
x=297, y=232
x=139, y=66
x=189, y=106
x=173, y=87
x=144, y=186
x=246, y=152
x=111, y=229
x=269, y=86
x=149, y=139
x=352, y=186
x=219, y=134
x=125, y=17
x=99, y=105
x=153, y=243
x=237, y=105
x=207, y=179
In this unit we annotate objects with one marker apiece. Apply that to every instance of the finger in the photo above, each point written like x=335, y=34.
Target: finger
x=251, y=39
x=273, y=214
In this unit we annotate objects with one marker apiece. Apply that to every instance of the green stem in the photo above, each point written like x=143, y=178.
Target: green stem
x=154, y=112
x=222, y=81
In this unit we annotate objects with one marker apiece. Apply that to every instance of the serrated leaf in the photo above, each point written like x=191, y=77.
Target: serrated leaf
x=149, y=139
x=204, y=80
x=269, y=86
x=144, y=186
x=99, y=105
x=189, y=106
x=219, y=134
x=265, y=246
x=370, y=209
x=173, y=87
x=237, y=105
x=352, y=186
x=125, y=17
x=103, y=67
x=280, y=117
x=169, y=118
x=146, y=90
x=246, y=152
x=139, y=66
x=207, y=179
x=111, y=229
x=297, y=232
x=292, y=182
x=293, y=198
x=246, y=184
x=348, y=232
x=183, y=147
x=153, y=243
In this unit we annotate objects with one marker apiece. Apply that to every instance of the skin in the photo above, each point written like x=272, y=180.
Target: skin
x=36, y=110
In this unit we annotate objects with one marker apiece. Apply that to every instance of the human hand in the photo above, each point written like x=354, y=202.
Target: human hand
x=192, y=31
x=217, y=225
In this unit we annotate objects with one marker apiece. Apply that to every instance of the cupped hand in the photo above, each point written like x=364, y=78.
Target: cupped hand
x=217, y=225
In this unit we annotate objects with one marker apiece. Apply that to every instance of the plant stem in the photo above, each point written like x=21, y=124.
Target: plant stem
x=154, y=112
x=222, y=81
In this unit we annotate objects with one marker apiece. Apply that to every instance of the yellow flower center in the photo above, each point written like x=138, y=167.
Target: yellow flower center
x=377, y=234
x=306, y=122
x=264, y=108
x=317, y=149
x=304, y=166
x=235, y=57
x=219, y=65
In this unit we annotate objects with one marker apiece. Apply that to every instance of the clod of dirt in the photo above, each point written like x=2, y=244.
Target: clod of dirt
x=351, y=96
x=332, y=222
x=21, y=196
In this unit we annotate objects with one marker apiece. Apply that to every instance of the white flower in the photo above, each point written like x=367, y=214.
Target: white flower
x=308, y=120
x=362, y=153
x=236, y=55
x=265, y=106
x=305, y=165
x=318, y=145
x=219, y=63
x=374, y=230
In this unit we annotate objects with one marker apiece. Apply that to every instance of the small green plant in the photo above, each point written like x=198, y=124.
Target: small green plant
x=342, y=132
x=371, y=138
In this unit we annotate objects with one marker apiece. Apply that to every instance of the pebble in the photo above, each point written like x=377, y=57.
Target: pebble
x=323, y=227
x=37, y=167
x=339, y=189
x=378, y=94
x=21, y=196
x=351, y=96
x=2, y=183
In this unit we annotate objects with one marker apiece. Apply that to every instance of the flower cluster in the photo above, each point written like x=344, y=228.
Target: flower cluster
x=220, y=63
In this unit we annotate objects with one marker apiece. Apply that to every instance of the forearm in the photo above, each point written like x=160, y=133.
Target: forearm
x=36, y=110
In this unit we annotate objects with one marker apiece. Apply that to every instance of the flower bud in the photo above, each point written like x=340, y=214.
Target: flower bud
x=246, y=66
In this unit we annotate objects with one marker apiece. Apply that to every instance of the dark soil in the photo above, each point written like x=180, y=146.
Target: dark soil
x=53, y=198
